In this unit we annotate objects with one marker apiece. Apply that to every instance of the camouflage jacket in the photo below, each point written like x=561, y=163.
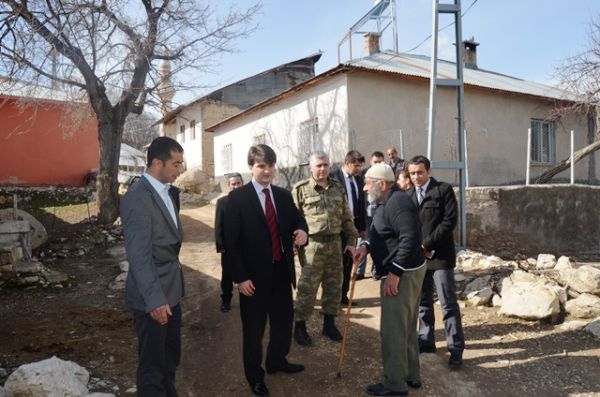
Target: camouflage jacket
x=326, y=210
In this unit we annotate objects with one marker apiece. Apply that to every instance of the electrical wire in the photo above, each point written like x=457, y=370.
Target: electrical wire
x=439, y=30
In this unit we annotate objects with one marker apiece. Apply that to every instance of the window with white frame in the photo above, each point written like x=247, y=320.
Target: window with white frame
x=181, y=135
x=308, y=137
x=192, y=130
x=260, y=139
x=227, y=157
x=543, y=141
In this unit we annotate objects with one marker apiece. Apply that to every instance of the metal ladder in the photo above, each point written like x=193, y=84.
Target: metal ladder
x=457, y=83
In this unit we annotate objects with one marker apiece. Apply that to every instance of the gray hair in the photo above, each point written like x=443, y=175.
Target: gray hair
x=234, y=175
x=318, y=155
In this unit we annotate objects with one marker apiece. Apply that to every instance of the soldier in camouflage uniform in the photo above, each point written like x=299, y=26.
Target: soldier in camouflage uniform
x=323, y=203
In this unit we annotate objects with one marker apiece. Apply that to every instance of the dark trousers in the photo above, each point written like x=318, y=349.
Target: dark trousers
x=226, y=281
x=347, y=262
x=275, y=302
x=443, y=279
x=159, y=349
x=347, y=272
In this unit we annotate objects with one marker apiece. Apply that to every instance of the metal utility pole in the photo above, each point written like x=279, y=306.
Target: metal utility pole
x=452, y=8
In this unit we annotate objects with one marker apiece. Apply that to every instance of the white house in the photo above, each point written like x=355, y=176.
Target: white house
x=367, y=103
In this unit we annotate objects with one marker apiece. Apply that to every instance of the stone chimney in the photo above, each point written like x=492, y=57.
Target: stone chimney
x=470, y=53
x=372, y=43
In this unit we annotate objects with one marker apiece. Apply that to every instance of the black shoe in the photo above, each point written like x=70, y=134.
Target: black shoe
x=259, y=389
x=301, y=334
x=288, y=368
x=345, y=301
x=225, y=307
x=426, y=347
x=455, y=359
x=415, y=384
x=329, y=328
x=380, y=390
x=360, y=277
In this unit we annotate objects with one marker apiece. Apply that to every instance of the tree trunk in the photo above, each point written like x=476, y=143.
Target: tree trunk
x=110, y=132
x=565, y=164
x=592, y=117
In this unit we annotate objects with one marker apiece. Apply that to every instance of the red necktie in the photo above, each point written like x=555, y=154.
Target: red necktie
x=273, y=228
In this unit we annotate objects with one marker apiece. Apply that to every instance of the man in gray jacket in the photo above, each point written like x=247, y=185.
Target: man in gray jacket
x=154, y=288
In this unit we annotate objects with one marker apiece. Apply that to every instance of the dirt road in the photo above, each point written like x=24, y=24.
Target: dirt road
x=89, y=324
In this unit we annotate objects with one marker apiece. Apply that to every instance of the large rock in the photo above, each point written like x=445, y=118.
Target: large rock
x=481, y=297
x=195, y=180
x=52, y=377
x=472, y=261
x=585, y=279
x=529, y=300
x=584, y=306
x=476, y=285
x=545, y=261
x=564, y=262
x=594, y=328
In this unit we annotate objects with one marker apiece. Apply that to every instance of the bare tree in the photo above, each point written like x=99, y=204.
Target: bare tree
x=99, y=46
x=140, y=130
x=580, y=75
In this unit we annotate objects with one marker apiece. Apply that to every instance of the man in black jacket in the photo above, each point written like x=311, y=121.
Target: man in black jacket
x=394, y=243
x=234, y=181
x=438, y=214
x=348, y=176
x=261, y=228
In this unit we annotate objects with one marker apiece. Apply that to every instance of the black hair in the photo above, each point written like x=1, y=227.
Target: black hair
x=420, y=159
x=353, y=156
x=161, y=149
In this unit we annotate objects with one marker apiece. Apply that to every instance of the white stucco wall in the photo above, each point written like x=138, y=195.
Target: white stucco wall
x=279, y=123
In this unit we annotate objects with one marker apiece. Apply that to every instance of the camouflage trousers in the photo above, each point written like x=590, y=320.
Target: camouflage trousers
x=321, y=262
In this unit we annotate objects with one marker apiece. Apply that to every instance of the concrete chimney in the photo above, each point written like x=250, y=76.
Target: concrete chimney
x=470, y=53
x=372, y=42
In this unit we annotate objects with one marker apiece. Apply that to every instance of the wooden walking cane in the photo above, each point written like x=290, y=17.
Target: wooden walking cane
x=347, y=319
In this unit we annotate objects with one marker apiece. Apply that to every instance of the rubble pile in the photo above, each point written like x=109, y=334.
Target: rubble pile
x=533, y=288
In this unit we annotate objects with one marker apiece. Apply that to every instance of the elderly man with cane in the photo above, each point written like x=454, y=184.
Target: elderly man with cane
x=394, y=243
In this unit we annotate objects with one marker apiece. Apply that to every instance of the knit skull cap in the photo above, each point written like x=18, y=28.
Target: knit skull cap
x=381, y=171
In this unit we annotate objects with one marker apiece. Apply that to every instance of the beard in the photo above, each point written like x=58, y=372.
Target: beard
x=375, y=196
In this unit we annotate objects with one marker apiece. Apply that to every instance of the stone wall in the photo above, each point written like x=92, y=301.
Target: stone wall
x=555, y=219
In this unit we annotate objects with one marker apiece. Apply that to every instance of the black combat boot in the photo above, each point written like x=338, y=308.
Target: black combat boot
x=329, y=329
x=301, y=334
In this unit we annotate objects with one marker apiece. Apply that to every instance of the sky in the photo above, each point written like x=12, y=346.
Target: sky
x=528, y=39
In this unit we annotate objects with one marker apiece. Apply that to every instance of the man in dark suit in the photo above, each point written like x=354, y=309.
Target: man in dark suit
x=154, y=287
x=234, y=181
x=438, y=213
x=261, y=228
x=348, y=176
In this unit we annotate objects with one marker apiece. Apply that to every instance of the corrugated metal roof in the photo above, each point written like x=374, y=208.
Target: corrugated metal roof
x=131, y=157
x=419, y=66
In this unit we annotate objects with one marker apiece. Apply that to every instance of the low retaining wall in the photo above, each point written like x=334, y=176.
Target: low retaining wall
x=554, y=219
